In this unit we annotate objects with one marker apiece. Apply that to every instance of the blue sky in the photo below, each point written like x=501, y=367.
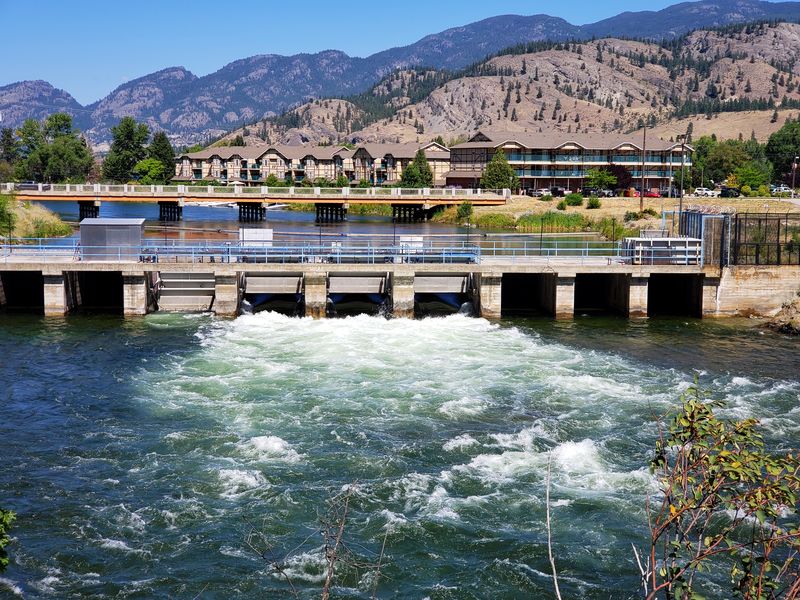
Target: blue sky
x=89, y=47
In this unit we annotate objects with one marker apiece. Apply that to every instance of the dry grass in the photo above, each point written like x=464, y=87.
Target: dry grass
x=617, y=207
x=33, y=221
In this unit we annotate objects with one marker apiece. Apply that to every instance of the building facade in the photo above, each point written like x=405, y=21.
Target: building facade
x=562, y=160
x=377, y=164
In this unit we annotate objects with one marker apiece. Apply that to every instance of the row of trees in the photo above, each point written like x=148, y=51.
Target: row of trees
x=53, y=151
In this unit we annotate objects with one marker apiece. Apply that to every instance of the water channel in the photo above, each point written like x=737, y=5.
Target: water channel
x=140, y=453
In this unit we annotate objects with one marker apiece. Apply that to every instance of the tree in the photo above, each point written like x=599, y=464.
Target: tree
x=342, y=181
x=411, y=176
x=499, y=174
x=783, y=146
x=425, y=173
x=724, y=159
x=272, y=180
x=52, y=151
x=6, y=519
x=724, y=501
x=464, y=212
x=8, y=146
x=127, y=149
x=623, y=175
x=161, y=150
x=754, y=174
x=237, y=141
x=149, y=171
x=600, y=179
x=440, y=140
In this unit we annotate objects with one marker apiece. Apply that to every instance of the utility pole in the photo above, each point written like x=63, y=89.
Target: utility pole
x=683, y=168
x=644, y=159
x=794, y=173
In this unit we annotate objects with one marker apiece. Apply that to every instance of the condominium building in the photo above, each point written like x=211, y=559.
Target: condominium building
x=377, y=164
x=552, y=159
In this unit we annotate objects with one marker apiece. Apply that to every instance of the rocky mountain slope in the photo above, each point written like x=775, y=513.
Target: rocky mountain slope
x=597, y=86
x=192, y=108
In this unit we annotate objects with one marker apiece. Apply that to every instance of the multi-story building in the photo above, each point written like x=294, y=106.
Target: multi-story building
x=550, y=160
x=376, y=163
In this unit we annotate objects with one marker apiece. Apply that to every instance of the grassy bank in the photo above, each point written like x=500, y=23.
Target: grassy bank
x=26, y=220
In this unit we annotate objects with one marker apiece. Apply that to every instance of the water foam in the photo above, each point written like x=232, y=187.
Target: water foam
x=236, y=482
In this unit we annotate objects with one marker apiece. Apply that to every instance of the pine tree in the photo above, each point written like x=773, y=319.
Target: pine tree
x=499, y=174
x=161, y=150
x=423, y=168
x=127, y=149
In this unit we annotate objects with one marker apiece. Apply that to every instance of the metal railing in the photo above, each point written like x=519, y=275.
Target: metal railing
x=358, y=252
x=93, y=190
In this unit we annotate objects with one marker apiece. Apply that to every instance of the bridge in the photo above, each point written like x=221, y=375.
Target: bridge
x=408, y=204
x=318, y=280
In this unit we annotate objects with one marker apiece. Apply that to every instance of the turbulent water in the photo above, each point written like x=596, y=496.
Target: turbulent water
x=145, y=457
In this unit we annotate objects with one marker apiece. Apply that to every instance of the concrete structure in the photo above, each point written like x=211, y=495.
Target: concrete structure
x=549, y=160
x=495, y=290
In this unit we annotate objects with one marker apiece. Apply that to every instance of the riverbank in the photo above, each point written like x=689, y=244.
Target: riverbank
x=28, y=220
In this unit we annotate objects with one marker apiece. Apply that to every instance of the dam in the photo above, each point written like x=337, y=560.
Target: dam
x=56, y=280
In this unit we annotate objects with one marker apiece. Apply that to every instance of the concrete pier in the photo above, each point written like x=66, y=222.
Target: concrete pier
x=252, y=212
x=88, y=209
x=331, y=213
x=134, y=293
x=226, y=295
x=403, y=295
x=55, y=294
x=170, y=211
x=315, y=290
x=564, y=305
x=637, y=296
x=490, y=295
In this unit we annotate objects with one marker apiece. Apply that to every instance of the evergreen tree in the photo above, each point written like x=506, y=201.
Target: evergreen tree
x=161, y=150
x=783, y=146
x=411, y=177
x=499, y=174
x=8, y=146
x=127, y=149
x=423, y=168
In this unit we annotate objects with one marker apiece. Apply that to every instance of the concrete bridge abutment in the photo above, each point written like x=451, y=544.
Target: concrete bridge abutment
x=88, y=209
x=134, y=293
x=56, y=299
x=490, y=295
x=227, y=295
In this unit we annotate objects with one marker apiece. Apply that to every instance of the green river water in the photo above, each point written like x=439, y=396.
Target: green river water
x=139, y=454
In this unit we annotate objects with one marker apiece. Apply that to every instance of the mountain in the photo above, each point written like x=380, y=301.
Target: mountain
x=192, y=108
x=735, y=79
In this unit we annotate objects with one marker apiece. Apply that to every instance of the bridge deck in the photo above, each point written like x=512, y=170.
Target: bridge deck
x=237, y=194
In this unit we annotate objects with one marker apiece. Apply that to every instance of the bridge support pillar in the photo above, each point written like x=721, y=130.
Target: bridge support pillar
x=403, y=295
x=490, y=292
x=710, y=296
x=252, y=212
x=2, y=294
x=134, y=293
x=637, y=296
x=408, y=213
x=55, y=294
x=170, y=211
x=331, y=213
x=565, y=296
x=315, y=290
x=88, y=209
x=226, y=295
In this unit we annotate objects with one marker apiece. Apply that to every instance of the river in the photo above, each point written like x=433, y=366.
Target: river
x=139, y=454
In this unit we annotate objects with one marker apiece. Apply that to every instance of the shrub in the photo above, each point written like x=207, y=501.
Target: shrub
x=631, y=216
x=763, y=191
x=594, y=202
x=553, y=222
x=546, y=198
x=464, y=211
x=611, y=229
x=6, y=519
x=495, y=221
x=746, y=190
x=562, y=205
x=574, y=200
x=649, y=211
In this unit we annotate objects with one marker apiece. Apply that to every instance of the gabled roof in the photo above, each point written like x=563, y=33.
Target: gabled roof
x=555, y=140
x=255, y=152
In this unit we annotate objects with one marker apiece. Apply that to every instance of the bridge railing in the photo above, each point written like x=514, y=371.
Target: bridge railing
x=98, y=189
x=366, y=251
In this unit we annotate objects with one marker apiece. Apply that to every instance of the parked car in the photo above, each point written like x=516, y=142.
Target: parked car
x=31, y=185
x=652, y=194
x=704, y=192
x=557, y=191
x=781, y=189
x=587, y=192
x=539, y=193
x=729, y=192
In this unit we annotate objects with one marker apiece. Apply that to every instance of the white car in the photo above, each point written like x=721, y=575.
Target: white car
x=781, y=189
x=704, y=192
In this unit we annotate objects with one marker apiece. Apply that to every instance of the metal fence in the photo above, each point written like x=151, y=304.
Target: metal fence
x=765, y=239
x=357, y=252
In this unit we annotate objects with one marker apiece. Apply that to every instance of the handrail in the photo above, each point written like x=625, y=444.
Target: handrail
x=680, y=252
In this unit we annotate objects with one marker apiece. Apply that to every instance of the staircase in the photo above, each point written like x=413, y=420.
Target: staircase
x=186, y=292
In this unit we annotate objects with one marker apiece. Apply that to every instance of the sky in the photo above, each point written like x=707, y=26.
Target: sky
x=89, y=47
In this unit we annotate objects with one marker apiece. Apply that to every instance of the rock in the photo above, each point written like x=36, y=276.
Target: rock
x=787, y=321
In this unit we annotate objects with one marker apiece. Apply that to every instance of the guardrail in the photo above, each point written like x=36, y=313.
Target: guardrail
x=233, y=191
x=357, y=251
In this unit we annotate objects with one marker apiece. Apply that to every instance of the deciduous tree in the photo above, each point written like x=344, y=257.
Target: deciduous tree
x=600, y=179
x=499, y=174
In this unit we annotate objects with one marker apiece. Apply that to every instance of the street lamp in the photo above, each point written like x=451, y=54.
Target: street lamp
x=794, y=173
x=683, y=168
